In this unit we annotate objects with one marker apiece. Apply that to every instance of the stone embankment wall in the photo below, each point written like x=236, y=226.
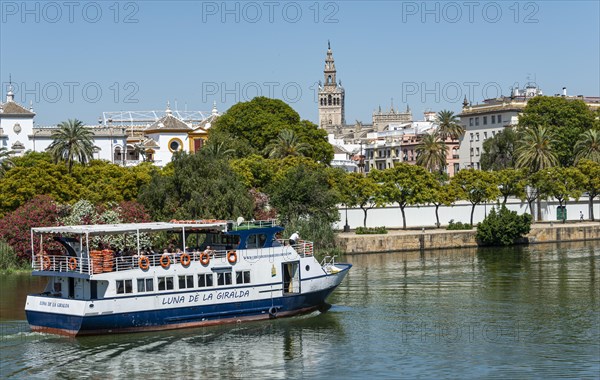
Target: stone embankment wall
x=440, y=239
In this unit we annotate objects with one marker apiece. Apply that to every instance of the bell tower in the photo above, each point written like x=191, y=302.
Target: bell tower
x=331, y=97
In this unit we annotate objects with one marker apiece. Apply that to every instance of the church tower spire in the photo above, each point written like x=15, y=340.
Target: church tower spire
x=331, y=97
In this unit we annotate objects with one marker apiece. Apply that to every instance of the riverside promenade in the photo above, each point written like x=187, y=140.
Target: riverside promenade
x=427, y=238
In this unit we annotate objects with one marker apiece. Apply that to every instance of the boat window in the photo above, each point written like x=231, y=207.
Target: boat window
x=165, y=283
x=124, y=286
x=205, y=280
x=256, y=241
x=224, y=278
x=242, y=277
x=145, y=284
x=186, y=282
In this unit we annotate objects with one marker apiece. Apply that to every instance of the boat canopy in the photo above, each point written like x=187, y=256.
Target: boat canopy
x=109, y=229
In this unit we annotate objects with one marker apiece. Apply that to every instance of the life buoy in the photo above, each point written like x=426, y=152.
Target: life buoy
x=165, y=261
x=273, y=312
x=231, y=257
x=185, y=259
x=72, y=263
x=144, y=263
x=204, y=258
x=45, y=262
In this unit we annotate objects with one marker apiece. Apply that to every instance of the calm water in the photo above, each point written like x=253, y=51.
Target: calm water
x=510, y=313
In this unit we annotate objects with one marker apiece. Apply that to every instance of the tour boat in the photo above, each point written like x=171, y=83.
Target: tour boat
x=221, y=272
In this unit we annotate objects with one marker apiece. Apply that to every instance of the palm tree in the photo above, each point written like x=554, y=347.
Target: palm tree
x=534, y=150
x=5, y=161
x=431, y=152
x=448, y=125
x=588, y=146
x=217, y=150
x=286, y=144
x=72, y=141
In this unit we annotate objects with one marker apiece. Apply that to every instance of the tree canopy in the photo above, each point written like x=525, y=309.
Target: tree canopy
x=260, y=121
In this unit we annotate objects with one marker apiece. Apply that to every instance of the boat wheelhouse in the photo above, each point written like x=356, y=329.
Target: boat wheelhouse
x=219, y=272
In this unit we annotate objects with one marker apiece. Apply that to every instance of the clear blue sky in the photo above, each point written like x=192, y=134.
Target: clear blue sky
x=141, y=54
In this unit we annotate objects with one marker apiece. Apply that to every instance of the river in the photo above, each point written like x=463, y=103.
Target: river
x=472, y=313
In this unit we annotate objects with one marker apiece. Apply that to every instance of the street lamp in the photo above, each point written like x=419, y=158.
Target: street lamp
x=346, y=226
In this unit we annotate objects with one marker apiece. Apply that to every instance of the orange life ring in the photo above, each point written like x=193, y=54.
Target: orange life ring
x=165, y=261
x=72, y=263
x=144, y=263
x=232, y=257
x=45, y=262
x=185, y=259
x=204, y=258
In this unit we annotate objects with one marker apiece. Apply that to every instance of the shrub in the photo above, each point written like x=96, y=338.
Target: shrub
x=370, y=231
x=458, y=225
x=503, y=227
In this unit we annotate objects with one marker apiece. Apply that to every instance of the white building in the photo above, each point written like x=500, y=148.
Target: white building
x=16, y=125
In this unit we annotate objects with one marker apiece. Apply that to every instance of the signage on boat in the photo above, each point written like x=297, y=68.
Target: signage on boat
x=51, y=304
x=208, y=296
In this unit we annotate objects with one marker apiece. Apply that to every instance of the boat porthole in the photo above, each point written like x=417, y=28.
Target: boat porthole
x=307, y=268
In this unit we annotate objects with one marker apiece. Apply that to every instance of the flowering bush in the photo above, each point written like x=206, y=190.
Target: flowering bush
x=15, y=227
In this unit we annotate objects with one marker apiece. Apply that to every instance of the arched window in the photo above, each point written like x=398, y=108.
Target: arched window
x=118, y=155
x=329, y=79
x=329, y=100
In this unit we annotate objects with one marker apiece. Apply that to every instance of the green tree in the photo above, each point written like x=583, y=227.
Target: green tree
x=286, y=144
x=449, y=125
x=562, y=183
x=218, y=150
x=199, y=186
x=510, y=182
x=256, y=171
x=588, y=146
x=432, y=152
x=591, y=173
x=498, y=151
x=535, y=149
x=503, y=227
x=72, y=141
x=259, y=122
x=405, y=185
x=6, y=161
x=304, y=193
x=363, y=192
x=475, y=186
x=441, y=193
x=565, y=118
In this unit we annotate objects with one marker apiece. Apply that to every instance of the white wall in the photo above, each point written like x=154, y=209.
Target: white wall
x=461, y=212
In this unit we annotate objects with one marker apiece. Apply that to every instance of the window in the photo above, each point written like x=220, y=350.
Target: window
x=476, y=121
x=485, y=120
x=478, y=166
x=145, y=285
x=242, y=277
x=499, y=118
x=470, y=122
x=493, y=119
x=205, y=280
x=477, y=151
x=493, y=133
x=165, y=283
x=175, y=145
x=186, y=281
x=124, y=286
x=484, y=135
x=224, y=278
x=471, y=152
x=256, y=241
x=477, y=136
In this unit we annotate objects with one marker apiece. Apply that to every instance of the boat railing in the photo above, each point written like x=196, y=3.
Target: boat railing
x=302, y=247
x=105, y=261
x=248, y=225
